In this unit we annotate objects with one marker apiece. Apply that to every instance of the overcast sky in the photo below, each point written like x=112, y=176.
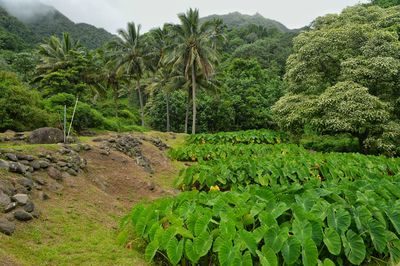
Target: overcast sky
x=114, y=14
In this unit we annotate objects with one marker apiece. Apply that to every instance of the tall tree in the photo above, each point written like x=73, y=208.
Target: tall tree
x=217, y=35
x=193, y=52
x=164, y=74
x=129, y=57
x=57, y=53
x=163, y=81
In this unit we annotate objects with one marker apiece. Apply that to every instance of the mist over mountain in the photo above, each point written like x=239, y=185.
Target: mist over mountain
x=26, y=10
x=236, y=19
x=42, y=21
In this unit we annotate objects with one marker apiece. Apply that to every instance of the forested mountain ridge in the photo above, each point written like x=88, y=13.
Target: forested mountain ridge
x=49, y=21
x=236, y=19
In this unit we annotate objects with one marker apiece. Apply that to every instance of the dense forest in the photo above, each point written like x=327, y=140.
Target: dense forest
x=335, y=82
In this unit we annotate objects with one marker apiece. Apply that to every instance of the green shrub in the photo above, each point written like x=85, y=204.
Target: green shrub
x=20, y=108
x=121, y=125
x=61, y=99
x=325, y=143
x=87, y=117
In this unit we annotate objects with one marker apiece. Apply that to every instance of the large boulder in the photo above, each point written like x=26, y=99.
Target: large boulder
x=46, y=135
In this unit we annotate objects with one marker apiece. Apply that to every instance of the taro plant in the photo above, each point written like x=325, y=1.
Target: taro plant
x=350, y=223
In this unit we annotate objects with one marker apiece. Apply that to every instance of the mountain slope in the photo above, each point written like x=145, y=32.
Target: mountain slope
x=41, y=21
x=14, y=35
x=237, y=19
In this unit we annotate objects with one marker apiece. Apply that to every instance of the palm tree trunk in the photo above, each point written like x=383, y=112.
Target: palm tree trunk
x=140, y=101
x=194, y=99
x=187, y=112
x=167, y=100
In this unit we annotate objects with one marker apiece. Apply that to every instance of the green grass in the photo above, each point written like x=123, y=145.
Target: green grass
x=85, y=139
x=30, y=148
x=75, y=235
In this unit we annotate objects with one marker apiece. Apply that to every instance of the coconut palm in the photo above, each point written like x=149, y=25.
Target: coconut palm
x=217, y=35
x=129, y=58
x=164, y=80
x=57, y=53
x=193, y=52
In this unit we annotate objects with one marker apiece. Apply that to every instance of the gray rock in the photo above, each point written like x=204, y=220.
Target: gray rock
x=21, y=215
x=7, y=187
x=12, y=157
x=21, y=199
x=24, y=162
x=4, y=200
x=25, y=157
x=10, y=207
x=54, y=173
x=46, y=135
x=35, y=164
x=44, y=164
x=7, y=227
x=29, y=207
x=17, y=168
x=26, y=182
x=4, y=165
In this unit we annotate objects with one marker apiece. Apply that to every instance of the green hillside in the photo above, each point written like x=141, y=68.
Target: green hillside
x=237, y=19
x=49, y=21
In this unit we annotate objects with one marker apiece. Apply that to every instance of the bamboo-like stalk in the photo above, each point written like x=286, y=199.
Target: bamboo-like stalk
x=72, y=118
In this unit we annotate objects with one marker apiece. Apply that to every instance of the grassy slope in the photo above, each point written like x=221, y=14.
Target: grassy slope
x=76, y=235
x=77, y=226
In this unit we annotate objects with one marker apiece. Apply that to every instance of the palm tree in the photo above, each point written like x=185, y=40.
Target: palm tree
x=57, y=53
x=164, y=74
x=129, y=58
x=193, y=52
x=164, y=80
x=217, y=35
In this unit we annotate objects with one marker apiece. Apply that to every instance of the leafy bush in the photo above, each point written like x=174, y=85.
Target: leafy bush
x=326, y=143
x=87, y=117
x=61, y=99
x=20, y=108
x=121, y=125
